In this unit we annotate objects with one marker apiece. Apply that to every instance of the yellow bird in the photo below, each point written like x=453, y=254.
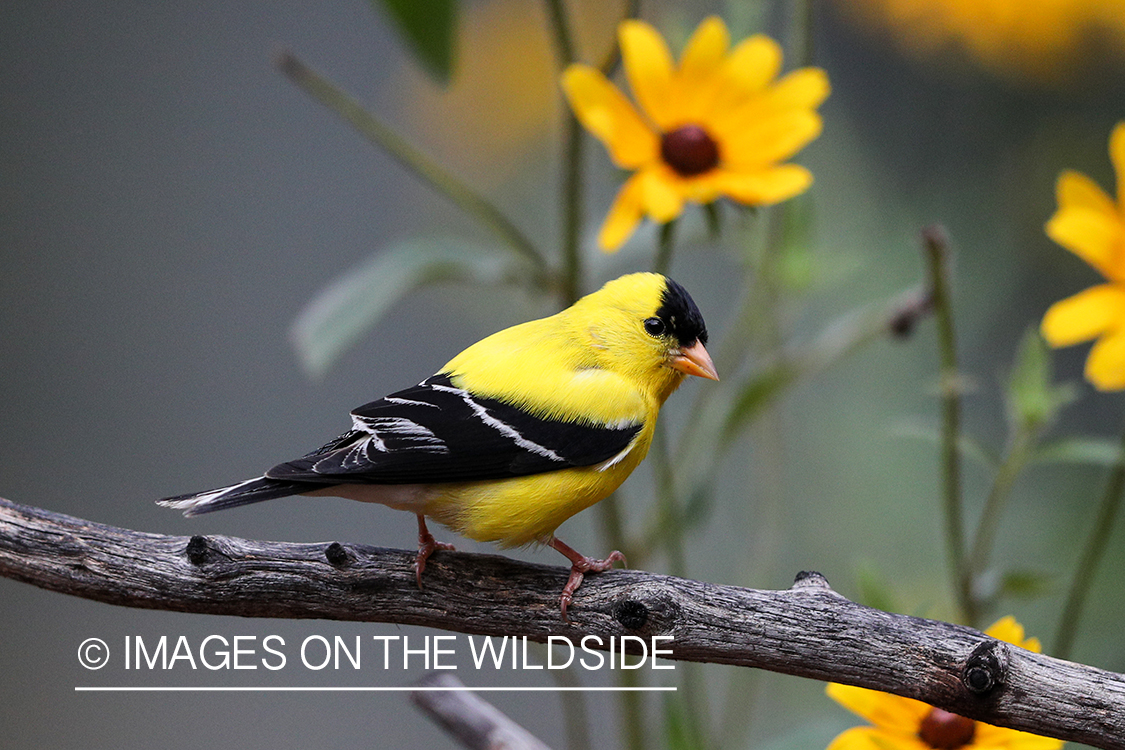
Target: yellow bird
x=515, y=434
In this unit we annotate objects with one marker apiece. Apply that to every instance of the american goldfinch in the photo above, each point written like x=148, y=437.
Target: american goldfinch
x=515, y=434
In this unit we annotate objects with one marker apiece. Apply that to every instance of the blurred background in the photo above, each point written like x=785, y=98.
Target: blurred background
x=170, y=203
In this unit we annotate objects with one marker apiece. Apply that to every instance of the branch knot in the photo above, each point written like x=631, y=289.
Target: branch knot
x=197, y=549
x=986, y=668
x=632, y=614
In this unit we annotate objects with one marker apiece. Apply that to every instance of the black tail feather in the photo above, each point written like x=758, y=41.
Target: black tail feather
x=243, y=493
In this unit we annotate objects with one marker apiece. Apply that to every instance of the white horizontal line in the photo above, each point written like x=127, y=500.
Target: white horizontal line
x=365, y=689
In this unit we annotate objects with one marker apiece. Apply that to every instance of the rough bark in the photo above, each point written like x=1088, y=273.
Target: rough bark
x=808, y=630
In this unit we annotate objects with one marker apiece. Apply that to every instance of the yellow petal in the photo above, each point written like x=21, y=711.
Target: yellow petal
x=623, y=216
x=752, y=64
x=705, y=50
x=705, y=188
x=662, y=201
x=1094, y=236
x=770, y=140
x=871, y=738
x=743, y=77
x=1007, y=629
x=696, y=84
x=648, y=66
x=1076, y=190
x=1084, y=316
x=1105, y=367
x=805, y=87
x=766, y=186
x=990, y=736
x=886, y=711
x=798, y=93
x=604, y=111
x=1117, y=156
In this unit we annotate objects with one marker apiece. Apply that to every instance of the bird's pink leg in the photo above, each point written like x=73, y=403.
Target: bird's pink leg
x=427, y=545
x=580, y=565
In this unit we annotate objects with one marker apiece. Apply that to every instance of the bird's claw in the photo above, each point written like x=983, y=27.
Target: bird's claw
x=579, y=568
x=427, y=545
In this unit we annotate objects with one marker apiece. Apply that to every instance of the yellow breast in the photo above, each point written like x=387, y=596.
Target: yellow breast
x=515, y=512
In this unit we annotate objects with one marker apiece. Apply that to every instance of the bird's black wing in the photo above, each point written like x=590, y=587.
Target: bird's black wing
x=437, y=432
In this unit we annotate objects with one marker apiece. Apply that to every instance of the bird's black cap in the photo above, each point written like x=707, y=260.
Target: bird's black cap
x=681, y=316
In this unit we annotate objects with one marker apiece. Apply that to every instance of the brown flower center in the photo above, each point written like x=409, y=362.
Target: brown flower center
x=689, y=150
x=943, y=730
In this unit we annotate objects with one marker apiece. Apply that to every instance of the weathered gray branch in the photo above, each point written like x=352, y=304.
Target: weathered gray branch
x=808, y=630
x=472, y=721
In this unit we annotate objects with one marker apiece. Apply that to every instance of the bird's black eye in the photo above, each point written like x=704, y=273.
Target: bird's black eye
x=655, y=327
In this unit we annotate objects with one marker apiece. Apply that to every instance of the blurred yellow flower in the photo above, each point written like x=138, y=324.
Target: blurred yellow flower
x=904, y=724
x=1044, y=40
x=1091, y=225
x=716, y=125
x=498, y=110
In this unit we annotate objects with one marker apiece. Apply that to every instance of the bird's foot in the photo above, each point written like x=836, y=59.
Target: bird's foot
x=579, y=567
x=427, y=545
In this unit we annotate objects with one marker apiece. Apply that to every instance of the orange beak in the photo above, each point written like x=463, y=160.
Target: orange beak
x=694, y=360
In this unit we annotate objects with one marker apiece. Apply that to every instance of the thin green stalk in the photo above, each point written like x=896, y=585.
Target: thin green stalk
x=572, y=183
x=1010, y=468
x=666, y=245
x=1091, y=557
x=937, y=253
x=572, y=195
x=802, y=43
x=378, y=133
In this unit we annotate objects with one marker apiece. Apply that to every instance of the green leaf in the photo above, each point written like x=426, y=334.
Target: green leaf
x=1033, y=399
x=429, y=27
x=1080, y=450
x=354, y=302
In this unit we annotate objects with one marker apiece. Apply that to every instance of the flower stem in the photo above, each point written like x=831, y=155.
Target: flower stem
x=378, y=133
x=1013, y=463
x=571, y=198
x=667, y=244
x=1091, y=557
x=937, y=253
x=801, y=40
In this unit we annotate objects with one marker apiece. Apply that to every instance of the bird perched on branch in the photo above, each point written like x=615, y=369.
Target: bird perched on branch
x=515, y=434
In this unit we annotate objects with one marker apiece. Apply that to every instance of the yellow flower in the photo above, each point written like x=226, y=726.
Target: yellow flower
x=1091, y=225
x=501, y=102
x=904, y=724
x=718, y=124
x=1041, y=40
